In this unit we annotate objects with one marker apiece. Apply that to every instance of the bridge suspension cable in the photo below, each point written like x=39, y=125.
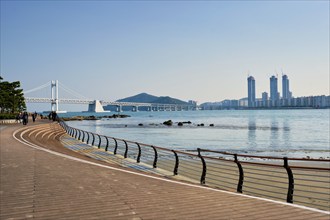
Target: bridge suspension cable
x=37, y=88
x=72, y=92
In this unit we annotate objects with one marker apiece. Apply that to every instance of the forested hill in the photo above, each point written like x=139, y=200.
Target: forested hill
x=142, y=97
x=147, y=98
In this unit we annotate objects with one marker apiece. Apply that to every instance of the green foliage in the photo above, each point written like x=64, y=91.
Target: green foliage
x=7, y=116
x=11, y=97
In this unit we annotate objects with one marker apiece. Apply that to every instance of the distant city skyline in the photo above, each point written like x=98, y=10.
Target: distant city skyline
x=273, y=90
x=190, y=50
x=275, y=101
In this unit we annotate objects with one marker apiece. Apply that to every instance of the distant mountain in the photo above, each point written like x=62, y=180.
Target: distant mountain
x=147, y=98
x=142, y=97
x=168, y=100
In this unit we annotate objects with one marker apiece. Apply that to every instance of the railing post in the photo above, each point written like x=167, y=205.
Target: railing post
x=87, y=138
x=156, y=157
x=83, y=138
x=126, y=149
x=79, y=135
x=176, y=166
x=241, y=175
x=116, y=146
x=289, y=197
x=93, y=139
x=204, y=166
x=76, y=133
x=106, y=147
x=139, y=154
x=99, y=145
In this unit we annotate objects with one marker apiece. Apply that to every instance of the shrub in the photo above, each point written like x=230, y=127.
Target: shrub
x=7, y=116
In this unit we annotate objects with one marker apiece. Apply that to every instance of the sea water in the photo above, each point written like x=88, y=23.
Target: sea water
x=291, y=133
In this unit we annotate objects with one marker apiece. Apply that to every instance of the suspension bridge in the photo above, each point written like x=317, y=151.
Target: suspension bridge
x=93, y=104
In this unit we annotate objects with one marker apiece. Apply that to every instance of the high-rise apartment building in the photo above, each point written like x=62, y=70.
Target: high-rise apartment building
x=274, y=95
x=264, y=96
x=286, y=94
x=251, y=91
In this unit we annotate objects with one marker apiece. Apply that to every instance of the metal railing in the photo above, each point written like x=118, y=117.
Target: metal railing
x=277, y=178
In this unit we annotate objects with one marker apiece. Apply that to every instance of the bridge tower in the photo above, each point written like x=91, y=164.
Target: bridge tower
x=54, y=95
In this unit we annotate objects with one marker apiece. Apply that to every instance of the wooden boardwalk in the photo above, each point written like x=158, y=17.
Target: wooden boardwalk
x=41, y=179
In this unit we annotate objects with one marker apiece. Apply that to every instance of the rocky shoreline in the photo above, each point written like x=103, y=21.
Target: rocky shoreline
x=93, y=117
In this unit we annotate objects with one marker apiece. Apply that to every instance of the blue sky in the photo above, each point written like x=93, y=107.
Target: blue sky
x=185, y=49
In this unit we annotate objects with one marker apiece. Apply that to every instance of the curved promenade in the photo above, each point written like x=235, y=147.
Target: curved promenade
x=41, y=179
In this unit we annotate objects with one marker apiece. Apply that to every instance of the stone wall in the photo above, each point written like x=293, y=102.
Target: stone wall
x=8, y=121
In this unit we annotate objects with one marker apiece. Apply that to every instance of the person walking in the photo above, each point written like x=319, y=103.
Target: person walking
x=34, y=116
x=54, y=115
x=25, y=118
x=18, y=117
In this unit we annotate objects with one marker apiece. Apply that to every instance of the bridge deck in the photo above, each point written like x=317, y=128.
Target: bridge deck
x=45, y=185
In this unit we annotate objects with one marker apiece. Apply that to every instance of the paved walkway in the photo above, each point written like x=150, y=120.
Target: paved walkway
x=41, y=184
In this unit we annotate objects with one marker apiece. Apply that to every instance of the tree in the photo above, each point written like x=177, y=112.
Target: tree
x=11, y=97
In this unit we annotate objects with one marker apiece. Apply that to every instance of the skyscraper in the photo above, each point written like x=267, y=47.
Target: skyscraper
x=264, y=96
x=251, y=91
x=285, y=87
x=264, y=99
x=274, y=95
